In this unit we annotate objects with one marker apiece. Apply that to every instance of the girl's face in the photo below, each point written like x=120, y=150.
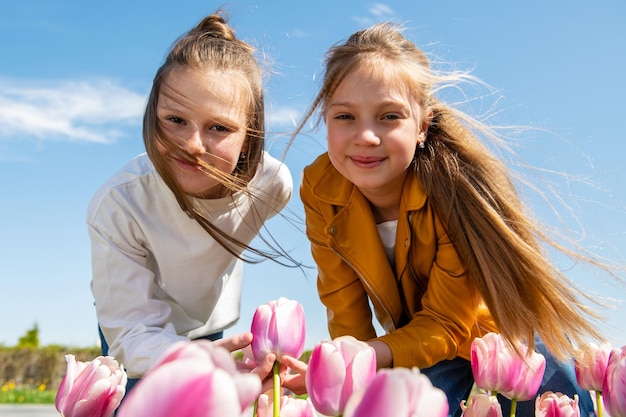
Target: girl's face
x=372, y=132
x=204, y=113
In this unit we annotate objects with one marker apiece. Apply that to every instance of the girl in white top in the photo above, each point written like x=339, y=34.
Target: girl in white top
x=169, y=230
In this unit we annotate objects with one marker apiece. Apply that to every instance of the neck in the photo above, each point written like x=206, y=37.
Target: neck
x=385, y=203
x=384, y=214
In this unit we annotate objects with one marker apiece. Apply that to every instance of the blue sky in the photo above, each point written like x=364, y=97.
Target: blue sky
x=74, y=77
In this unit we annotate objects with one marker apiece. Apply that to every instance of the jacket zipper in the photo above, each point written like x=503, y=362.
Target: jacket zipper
x=371, y=291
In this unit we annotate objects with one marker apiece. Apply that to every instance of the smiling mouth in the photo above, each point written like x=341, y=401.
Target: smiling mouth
x=186, y=164
x=366, y=161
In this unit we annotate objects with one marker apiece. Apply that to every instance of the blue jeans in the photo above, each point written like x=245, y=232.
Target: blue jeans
x=455, y=378
x=133, y=381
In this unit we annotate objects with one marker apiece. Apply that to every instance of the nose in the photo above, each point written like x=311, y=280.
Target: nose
x=193, y=144
x=366, y=135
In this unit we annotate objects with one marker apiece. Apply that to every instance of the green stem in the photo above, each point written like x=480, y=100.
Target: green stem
x=599, y=402
x=513, y=407
x=276, y=389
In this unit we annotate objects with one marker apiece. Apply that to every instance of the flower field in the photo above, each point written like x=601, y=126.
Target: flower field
x=31, y=375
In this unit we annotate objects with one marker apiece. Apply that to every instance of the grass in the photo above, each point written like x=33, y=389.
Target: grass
x=33, y=393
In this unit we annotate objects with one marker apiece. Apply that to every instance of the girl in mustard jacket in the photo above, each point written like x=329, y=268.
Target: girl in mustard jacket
x=410, y=212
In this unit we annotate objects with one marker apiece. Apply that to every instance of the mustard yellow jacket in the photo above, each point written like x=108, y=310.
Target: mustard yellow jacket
x=428, y=306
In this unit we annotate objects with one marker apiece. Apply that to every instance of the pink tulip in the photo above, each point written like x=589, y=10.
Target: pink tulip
x=591, y=366
x=614, y=389
x=289, y=407
x=497, y=368
x=490, y=358
x=91, y=389
x=550, y=404
x=527, y=375
x=278, y=327
x=336, y=370
x=398, y=392
x=482, y=405
x=192, y=379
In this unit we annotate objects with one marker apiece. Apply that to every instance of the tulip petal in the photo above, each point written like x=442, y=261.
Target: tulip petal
x=259, y=329
x=324, y=378
x=96, y=402
x=385, y=396
x=590, y=366
x=289, y=328
x=67, y=383
x=183, y=388
x=614, y=389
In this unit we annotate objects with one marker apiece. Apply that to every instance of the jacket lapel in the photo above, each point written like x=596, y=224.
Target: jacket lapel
x=365, y=254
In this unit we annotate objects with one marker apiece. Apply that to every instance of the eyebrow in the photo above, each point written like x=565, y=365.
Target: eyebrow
x=381, y=104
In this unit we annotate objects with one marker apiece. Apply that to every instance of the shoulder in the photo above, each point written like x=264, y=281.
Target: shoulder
x=318, y=167
x=321, y=181
x=135, y=181
x=272, y=174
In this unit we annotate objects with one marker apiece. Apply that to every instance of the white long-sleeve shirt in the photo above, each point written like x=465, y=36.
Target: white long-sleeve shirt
x=158, y=276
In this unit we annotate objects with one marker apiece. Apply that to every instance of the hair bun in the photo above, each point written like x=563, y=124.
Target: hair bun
x=215, y=25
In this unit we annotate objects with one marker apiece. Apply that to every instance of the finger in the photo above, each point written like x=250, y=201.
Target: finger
x=236, y=342
x=295, y=383
x=293, y=363
x=264, y=369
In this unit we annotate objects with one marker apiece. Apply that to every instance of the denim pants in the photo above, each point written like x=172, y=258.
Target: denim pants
x=133, y=381
x=455, y=378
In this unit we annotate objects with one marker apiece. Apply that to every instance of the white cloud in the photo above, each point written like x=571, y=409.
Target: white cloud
x=282, y=116
x=81, y=111
x=299, y=33
x=379, y=11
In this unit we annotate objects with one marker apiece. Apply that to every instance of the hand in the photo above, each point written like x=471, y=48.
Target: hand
x=247, y=365
x=236, y=342
x=294, y=381
x=384, y=359
x=264, y=371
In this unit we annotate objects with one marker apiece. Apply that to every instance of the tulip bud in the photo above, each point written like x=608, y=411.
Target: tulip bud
x=491, y=358
x=92, y=389
x=498, y=368
x=398, y=392
x=591, y=366
x=192, y=379
x=614, y=389
x=336, y=370
x=482, y=405
x=526, y=376
x=278, y=327
x=550, y=404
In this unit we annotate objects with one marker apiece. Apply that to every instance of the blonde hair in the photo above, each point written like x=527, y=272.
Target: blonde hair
x=212, y=46
x=471, y=190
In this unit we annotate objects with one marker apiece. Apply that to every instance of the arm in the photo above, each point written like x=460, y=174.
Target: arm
x=135, y=325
